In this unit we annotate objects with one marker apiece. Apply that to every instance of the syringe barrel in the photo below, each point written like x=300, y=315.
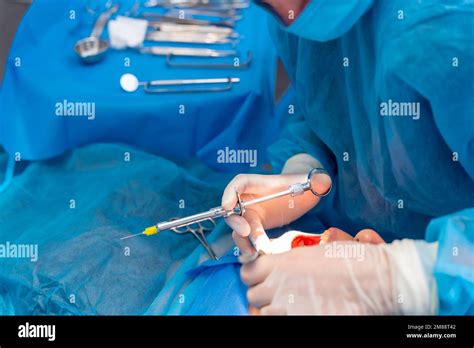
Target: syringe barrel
x=210, y=214
x=217, y=212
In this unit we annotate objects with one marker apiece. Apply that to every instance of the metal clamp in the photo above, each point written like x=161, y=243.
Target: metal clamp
x=199, y=233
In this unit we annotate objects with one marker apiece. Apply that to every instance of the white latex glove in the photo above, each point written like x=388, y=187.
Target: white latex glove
x=274, y=213
x=309, y=281
x=340, y=278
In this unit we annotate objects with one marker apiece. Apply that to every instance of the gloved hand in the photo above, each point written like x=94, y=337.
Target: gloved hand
x=309, y=281
x=274, y=213
x=340, y=278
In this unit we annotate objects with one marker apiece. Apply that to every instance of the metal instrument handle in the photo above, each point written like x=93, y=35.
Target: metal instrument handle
x=198, y=233
x=203, y=240
x=242, y=65
x=148, y=86
x=206, y=52
x=177, y=20
x=219, y=14
x=103, y=18
x=227, y=5
x=194, y=38
x=210, y=214
x=186, y=51
x=168, y=27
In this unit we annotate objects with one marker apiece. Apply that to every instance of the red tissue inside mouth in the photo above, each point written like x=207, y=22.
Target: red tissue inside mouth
x=304, y=240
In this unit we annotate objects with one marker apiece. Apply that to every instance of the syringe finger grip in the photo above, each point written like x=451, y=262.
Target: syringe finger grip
x=297, y=189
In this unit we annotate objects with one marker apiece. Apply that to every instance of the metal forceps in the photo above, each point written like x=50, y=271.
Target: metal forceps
x=197, y=229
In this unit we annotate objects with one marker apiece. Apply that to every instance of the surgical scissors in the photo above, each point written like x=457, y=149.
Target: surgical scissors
x=197, y=229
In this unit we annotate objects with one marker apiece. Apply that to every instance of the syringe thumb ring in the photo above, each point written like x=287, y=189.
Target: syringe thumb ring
x=317, y=171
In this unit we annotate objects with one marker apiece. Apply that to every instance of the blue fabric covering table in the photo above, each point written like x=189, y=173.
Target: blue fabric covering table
x=43, y=70
x=82, y=267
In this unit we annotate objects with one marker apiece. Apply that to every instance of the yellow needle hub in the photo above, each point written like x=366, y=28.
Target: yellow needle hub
x=150, y=230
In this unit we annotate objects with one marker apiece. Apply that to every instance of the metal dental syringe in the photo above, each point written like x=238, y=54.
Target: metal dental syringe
x=239, y=209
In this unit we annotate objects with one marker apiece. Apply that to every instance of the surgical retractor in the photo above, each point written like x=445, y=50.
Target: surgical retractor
x=219, y=212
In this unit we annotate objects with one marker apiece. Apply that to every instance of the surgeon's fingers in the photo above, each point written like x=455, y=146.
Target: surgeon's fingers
x=243, y=243
x=257, y=271
x=260, y=295
x=272, y=310
x=335, y=234
x=369, y=236
x=238, y=224
x=239, y=183
x=253, y=310
x=258, y=235
x=248, y=183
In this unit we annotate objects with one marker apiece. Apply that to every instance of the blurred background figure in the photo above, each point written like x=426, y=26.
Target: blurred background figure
x=11, y=12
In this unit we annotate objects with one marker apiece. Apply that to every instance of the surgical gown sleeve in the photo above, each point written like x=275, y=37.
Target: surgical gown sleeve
x=448, y=85
x=321, y=20
x=448, y=88
x=297, y=137
x=454, y=267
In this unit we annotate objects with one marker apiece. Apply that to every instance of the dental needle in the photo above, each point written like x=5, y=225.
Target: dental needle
x=293, y=190
x=133, y=235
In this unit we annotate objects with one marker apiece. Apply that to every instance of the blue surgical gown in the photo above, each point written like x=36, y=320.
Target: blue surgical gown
x=404, y=176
